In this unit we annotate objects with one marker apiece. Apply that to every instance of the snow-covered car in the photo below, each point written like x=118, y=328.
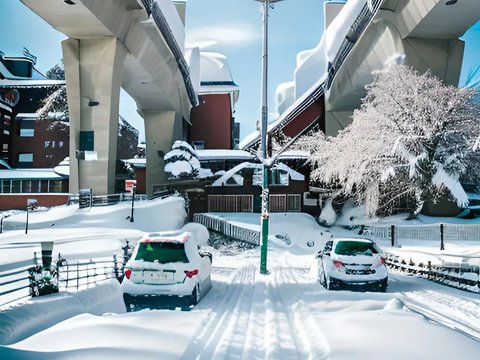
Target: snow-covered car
x=166, y=264
x=355, y=264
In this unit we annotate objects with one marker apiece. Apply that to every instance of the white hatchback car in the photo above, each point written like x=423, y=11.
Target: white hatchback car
x=166, y=264
x=354, y=264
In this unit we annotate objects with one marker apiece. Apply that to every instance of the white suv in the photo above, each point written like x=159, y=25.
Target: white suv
x=166, y=264
x=354, y=264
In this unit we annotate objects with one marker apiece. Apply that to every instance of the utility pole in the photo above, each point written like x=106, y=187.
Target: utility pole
x=264, y=217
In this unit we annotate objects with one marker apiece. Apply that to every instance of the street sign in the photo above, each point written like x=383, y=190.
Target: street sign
x=130, y=184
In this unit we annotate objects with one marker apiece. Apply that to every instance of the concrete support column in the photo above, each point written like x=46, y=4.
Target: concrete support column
x=162, y=128
x=93, y=71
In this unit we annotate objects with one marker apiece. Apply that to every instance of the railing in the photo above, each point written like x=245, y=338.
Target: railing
x=228, y=229
x=14, y=284
x=83, y=273
x=152, y=8
x=459, y=274
x=86, y=199
x=357, y=28
x=440, y=233
x=23, y=281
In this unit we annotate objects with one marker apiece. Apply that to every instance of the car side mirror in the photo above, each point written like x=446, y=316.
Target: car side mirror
x=319, y=255
x=326, y=253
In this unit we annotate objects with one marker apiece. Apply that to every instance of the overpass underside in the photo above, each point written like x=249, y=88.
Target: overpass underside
x=421, y=34
x=137, y=45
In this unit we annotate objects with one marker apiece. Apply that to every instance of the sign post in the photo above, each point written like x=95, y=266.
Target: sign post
x=131, y=185
x=31, y=204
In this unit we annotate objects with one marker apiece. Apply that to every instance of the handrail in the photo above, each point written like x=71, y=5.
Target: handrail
x=153, y=9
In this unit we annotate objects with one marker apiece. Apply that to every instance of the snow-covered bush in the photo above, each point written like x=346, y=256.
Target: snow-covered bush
x=182, y=162
x=413, y=140
x=328, y=216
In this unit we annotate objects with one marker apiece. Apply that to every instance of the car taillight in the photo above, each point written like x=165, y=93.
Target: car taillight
x=128, y=273
x=338, y=264
x=191, y=273
x=382, y=261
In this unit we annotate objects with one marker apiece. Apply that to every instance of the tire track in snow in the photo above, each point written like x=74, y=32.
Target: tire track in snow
x=459, y=314
x=311, y=342
x=224, y=318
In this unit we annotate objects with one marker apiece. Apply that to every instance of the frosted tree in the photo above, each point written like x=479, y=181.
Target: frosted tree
x=413, y=139
x=182, y=162
x=56, y=100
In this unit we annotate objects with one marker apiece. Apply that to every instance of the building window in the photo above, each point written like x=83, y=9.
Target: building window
x=198, y=144
x=25, y=158
x=5, y=147
x=6, y=186
x=278, y=203
x=245, y=203
x=293, y=202
x=55, y=186
x=16, y=186
x=27, y=132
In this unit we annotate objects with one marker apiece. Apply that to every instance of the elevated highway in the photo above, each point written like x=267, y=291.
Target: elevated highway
x=136, y=45
x=361, y=37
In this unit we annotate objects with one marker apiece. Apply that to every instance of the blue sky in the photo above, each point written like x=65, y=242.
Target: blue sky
x=232, y=27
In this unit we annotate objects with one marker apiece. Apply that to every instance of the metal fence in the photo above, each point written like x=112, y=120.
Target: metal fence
x=440, y=233
x=228, y=229
x=458, y=274
x=28, y=279
x=15, y=284
x=82, y=274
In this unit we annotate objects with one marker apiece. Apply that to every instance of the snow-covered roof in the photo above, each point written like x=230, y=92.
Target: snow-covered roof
x=216, y=154
x=29, y=174
x=138, y=163
x=222, y=181
x=294, y=154
x=214, y=68
x=21, y=83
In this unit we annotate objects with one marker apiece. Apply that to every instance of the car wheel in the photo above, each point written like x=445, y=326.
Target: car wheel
x=196, y=295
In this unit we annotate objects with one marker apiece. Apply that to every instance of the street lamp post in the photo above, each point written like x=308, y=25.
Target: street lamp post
x=265, y=196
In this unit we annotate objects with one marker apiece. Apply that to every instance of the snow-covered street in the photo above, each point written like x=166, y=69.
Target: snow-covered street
x=286, y=314
x=283, y=315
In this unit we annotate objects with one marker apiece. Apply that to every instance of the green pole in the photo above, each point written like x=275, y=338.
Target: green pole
x=264, y=222
x=264, y=214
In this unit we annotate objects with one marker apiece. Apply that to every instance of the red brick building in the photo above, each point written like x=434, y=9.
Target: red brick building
x=212, y=121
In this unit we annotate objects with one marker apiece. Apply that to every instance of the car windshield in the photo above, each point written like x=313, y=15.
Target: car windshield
x=163, y=252
x=355, y=248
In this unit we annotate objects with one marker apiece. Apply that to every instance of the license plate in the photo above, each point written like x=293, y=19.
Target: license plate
x=157, y=276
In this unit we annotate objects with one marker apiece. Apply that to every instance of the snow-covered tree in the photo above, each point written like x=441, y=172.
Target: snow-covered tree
x=182, y=162
x=56, y=100
x=413, y=139
x=57, y=72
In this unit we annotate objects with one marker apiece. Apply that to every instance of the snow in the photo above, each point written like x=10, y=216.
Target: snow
x=37, y=174
x=222, y=181
x=441, y=178
x=313, y=65
x=285, y=314
x=214, y=154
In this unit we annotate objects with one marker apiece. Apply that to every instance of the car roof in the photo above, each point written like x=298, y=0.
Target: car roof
x=167, y=236
x=353, y=239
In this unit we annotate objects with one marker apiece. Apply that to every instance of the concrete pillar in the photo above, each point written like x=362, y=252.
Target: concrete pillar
x=162, y=128
x=93, y=72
